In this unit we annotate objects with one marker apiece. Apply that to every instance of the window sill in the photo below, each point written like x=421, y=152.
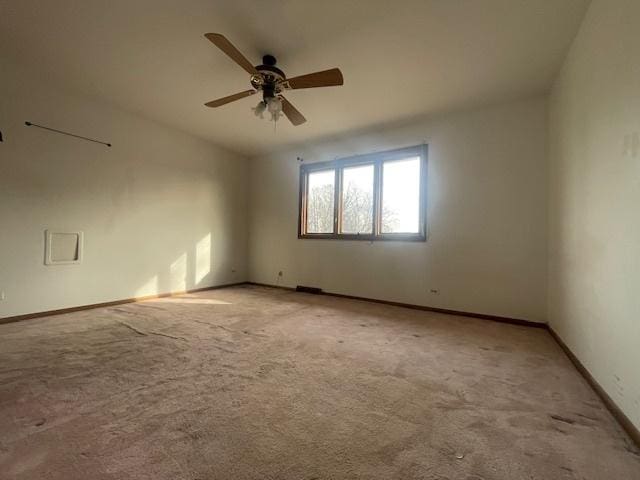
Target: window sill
x=393, y=237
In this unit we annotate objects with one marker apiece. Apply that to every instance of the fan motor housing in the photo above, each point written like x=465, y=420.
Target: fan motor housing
x=270, y=77
x=269, y=60
x=267, y=70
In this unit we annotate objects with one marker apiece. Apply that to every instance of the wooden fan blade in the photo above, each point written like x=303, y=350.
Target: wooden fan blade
x=326, y=78
x=292, y=112
x=227, y=47
x=231, y=98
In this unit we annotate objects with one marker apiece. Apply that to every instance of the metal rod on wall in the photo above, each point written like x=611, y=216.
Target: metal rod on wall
x=29, y=124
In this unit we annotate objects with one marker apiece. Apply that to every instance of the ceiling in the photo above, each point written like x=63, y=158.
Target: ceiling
x=400, y=59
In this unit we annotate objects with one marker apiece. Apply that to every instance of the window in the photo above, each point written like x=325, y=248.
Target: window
x=401, y=196
x=379, y=196
x=320, y=201
x=357, y=200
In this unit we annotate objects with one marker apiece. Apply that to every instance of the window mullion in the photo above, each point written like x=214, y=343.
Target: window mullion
x=337, y=201
x=423, y=191
x=304, y=195
x=376, y=197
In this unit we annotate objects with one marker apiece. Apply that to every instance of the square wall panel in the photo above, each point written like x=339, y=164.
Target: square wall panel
x=62, y=247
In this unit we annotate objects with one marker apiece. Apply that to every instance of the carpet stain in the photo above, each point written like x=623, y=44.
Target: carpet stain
x=563, y=419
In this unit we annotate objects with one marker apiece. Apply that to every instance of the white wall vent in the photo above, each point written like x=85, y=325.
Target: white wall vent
x=62, y=248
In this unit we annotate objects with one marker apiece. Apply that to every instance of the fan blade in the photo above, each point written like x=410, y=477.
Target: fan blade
x=231, y=98
x=326, y=78
x=292, y=112
x=227, y=47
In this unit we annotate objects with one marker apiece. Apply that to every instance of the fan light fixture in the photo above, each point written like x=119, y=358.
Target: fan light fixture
x=273, y=105
x=259, y=109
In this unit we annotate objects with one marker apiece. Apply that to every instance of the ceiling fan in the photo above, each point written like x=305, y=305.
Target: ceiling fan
x=271, y=81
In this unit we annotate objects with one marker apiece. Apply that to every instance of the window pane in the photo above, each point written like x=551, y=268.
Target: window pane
x=401, y=196
x=357, y=199
x=320, y=197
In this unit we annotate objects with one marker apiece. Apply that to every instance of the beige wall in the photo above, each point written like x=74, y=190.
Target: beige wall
x=161, y=211
x=486, y=250
x=594, y=230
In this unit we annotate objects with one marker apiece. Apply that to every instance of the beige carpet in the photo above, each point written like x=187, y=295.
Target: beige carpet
x=257, y=383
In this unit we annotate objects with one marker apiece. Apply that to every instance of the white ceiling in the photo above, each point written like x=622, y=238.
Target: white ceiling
x=400, y=59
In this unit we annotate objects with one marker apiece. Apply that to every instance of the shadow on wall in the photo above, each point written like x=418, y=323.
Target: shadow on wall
x=190, y=270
